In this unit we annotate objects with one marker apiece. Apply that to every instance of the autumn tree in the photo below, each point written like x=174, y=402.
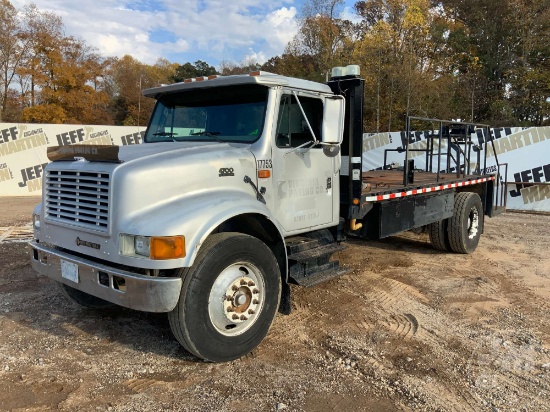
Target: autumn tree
x=127, y=79
x=41, y=32
x=69, y=92
x=12, y=49
x=529, y=76
x=190, y=70
x=323, y=40
x=398, y=52
x=506, y=43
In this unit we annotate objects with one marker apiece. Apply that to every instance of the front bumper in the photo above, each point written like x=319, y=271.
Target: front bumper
x=139, y=292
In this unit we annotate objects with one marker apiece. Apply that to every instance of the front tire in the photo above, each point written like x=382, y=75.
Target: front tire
x=466, y=225
x=228, y=299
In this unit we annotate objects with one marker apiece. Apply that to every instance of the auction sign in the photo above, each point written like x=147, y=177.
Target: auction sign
x=23, y=150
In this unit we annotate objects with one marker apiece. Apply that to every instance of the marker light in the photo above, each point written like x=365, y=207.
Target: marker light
x=36, y=221
x=264, y=174
x=350, y=70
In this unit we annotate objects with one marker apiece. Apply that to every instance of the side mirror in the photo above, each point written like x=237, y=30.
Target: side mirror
x=331, y=150
x=333, y=120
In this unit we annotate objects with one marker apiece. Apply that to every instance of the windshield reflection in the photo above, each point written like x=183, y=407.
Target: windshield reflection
x=224, y=114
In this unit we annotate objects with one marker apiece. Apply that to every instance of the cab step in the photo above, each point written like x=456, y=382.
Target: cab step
x=323, y=273
x=316, y=252
x=310, y=258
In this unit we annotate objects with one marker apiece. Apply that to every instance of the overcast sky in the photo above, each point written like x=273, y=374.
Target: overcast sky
x=180, y=30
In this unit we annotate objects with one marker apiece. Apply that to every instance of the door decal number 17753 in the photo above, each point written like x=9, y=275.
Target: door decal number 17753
x=265, y=164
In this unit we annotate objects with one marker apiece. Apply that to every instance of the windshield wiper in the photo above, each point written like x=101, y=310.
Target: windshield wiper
x=164, y=134
x=205, y=133
x=167, y=134
x=213, y=135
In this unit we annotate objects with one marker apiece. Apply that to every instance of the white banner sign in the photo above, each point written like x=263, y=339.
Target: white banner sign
x=526, y=150
x=23, y=150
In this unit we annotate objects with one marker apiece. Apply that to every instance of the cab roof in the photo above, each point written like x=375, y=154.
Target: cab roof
x=260, y=77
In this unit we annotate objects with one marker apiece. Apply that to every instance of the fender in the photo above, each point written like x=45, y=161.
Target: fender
x=195, y=217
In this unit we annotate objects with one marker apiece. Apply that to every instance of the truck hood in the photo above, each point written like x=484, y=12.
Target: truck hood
x=163, y=173
x=133, y=152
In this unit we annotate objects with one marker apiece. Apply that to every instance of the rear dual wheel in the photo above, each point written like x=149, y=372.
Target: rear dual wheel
x=461, y=232
x=229, y=298
x=438, y=235
x=466, y=225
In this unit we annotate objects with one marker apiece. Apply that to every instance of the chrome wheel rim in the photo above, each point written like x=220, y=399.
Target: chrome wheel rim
x=236, y=299
x=473, y=223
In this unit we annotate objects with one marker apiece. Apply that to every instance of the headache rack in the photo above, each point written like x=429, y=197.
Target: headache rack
x=450, y=153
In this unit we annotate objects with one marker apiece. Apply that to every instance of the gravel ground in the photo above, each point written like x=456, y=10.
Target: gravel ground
x=410, y=328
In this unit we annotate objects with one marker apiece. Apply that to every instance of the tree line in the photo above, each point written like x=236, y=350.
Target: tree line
x=486, y=61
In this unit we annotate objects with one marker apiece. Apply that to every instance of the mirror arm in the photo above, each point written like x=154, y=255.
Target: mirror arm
x=299, y=147
x=305, y=117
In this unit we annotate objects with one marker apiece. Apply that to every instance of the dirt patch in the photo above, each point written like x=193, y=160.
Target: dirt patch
x=409, y=328
x=17, y=210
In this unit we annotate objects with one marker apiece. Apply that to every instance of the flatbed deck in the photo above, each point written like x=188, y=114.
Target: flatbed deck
x=388, y=184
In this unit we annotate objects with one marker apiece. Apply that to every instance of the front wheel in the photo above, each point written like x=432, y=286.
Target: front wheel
x=228, y=299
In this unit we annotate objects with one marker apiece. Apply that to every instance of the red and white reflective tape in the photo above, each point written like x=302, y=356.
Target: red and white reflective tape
x=413, y=192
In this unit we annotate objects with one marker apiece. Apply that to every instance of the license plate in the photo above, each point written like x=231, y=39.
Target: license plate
x=69, y=271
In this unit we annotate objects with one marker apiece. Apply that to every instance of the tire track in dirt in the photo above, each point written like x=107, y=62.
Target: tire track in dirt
x=140, y=385
x=390, y=297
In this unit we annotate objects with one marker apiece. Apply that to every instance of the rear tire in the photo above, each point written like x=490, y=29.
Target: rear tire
x=439, y=237
x=466, y=225
x=228, y=299
x=84, y=299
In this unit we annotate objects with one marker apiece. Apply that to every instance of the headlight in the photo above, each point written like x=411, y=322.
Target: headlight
x=142, y=245
x=154, y=247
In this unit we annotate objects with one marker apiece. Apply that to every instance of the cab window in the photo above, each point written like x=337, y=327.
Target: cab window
x=292, y=128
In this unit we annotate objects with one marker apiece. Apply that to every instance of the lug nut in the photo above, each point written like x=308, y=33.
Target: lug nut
x=243, y=282
x=243, y=317
x=234, y=288
x=255, y=291
x=250, y=312
x=235, y=317
x=251, y=284
x=229, y=298
x=230, y=309
x=255, y=301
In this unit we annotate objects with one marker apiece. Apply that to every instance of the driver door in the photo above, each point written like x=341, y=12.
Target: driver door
x=304, y=176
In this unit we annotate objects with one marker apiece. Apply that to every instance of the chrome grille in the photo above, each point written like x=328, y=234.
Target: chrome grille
x=79, y=198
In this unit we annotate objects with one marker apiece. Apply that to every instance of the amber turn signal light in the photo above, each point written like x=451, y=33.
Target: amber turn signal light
x=167, y=247
x=264, y=173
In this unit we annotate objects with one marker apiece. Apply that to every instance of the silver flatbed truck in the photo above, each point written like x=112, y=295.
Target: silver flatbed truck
x=243, y=185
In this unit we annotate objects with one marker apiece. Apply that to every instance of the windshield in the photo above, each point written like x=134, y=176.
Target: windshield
x=227, y=114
